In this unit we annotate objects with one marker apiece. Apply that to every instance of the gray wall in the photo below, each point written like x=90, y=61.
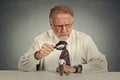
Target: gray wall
x=22, y=20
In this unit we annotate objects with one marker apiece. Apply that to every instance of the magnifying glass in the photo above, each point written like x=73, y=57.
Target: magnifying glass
x=60, y=45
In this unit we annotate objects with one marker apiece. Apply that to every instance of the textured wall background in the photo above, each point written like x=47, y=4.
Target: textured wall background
x=22, y=20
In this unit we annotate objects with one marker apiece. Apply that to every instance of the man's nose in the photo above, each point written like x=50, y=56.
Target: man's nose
x=63, y=28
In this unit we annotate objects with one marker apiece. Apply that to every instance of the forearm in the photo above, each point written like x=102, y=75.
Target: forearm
x=99, y=65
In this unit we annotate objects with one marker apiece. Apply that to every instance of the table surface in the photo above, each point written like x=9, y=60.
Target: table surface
x=44, y=75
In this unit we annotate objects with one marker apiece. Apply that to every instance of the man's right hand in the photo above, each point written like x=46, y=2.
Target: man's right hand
x=44, y=51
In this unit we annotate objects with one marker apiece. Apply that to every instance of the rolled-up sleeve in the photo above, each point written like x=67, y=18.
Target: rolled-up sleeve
x=27, y=62
x=95, y=60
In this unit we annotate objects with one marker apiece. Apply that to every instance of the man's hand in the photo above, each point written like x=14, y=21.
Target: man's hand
x=44, y=51
x=67, y=69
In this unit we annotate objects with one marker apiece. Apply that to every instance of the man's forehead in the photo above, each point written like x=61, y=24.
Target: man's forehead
x=59, y=13
x=62, y=15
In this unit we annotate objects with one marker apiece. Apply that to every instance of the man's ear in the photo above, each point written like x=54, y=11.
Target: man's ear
x=50, y=21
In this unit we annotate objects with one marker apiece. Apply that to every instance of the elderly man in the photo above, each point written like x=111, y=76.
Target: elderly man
x=81, y=51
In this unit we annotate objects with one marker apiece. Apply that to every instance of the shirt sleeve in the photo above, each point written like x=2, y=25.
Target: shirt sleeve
x=27, y=62
x=95, y=60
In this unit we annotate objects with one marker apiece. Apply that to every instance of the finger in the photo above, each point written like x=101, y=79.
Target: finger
x=50, y=46
x=44, y=53
x=45, y=50
x=66, y=68
x=57, y=69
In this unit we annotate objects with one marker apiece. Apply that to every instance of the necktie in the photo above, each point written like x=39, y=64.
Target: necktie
x=65, y=54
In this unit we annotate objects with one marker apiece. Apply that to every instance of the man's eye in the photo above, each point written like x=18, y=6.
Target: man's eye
x=59, y=25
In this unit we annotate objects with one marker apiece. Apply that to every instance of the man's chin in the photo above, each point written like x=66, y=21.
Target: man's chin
x=63, y=38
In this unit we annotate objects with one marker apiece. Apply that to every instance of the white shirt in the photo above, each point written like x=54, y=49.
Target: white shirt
x=81, y=47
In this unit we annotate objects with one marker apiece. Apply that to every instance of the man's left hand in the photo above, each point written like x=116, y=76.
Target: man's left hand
x=67, y=69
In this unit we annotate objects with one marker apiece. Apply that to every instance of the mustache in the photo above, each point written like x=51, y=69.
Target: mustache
x=63, y=35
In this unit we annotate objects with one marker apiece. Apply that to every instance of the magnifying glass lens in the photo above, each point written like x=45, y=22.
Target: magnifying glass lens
x=60, y=47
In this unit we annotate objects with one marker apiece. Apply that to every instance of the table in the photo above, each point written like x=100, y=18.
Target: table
x=45, y=75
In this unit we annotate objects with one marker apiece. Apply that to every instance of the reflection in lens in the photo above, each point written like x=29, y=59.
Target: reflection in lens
x=60, y=45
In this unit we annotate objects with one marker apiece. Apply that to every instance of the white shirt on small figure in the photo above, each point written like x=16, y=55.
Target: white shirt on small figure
x=62, y=62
